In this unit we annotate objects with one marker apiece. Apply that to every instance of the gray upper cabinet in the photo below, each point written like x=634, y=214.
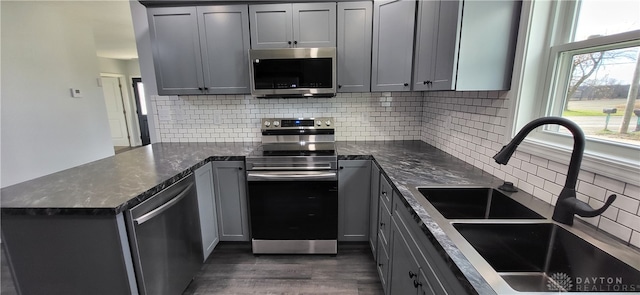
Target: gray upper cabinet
x=353, y=197
x=176, y=50
x=207, y=209
x=393, y=27
x=293, y=25
x=355, y=21
x=271, y=26
x=435, y=48
x=231, y=200
x=452, y=49
x=224, y=43
x=198, y=50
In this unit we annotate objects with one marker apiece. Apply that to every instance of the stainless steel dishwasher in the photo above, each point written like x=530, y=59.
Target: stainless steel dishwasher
x=164, y=233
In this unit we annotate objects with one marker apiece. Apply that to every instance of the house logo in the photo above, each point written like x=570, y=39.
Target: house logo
x=559, y=282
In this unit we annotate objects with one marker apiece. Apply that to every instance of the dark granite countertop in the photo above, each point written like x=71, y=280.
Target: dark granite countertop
x=114, y=184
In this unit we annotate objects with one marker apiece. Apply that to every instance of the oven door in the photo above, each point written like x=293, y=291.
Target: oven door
x=293, y=205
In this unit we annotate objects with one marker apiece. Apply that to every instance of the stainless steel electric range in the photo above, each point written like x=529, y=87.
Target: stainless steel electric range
x=293, y=187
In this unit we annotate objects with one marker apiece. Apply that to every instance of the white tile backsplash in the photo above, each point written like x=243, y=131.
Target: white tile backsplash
x=457, y=122
x=236, y=118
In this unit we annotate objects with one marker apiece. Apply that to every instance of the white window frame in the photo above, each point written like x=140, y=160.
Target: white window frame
x=544, y=24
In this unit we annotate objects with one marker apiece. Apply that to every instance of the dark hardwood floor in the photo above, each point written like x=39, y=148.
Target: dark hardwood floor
x=232, y=269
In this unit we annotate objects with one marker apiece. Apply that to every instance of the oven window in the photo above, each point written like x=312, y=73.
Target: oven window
x=294, y=210
x=293, y=73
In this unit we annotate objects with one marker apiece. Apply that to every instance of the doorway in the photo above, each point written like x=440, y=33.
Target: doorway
x=141, y=110
x=116, y=111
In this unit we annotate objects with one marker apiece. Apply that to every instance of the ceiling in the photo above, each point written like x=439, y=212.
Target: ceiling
x=111, y=23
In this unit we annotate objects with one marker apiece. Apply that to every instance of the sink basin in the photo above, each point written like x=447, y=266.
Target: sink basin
x=476, y=203
x=543, y=257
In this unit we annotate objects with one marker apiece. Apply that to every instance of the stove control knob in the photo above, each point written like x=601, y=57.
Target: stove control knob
x=267, y=123
x=328, y=123
x=319, y=123
x=276, y=123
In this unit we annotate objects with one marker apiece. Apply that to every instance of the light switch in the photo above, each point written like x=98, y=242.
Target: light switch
x=75, y=92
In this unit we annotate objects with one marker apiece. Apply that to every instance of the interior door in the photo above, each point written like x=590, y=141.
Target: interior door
x=115, y=111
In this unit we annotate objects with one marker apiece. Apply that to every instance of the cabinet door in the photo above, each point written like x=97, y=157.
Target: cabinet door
x=382, y=262
x=271, y=26
x=314, y=24
x=224, y=43
x=353, y=196
x=176, y=50
x=482, y=67
x=404, y=267
x=446, y=50
x=354, y=46
x=393, y=26
x=207, y=209
x=373, y=209
x=436, y=52
x=231, y=198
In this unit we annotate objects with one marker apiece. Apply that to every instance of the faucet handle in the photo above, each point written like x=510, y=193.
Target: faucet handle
x=567, y=207
x=583, y=209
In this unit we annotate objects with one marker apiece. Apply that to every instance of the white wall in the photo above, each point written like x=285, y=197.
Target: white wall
x=44, y=129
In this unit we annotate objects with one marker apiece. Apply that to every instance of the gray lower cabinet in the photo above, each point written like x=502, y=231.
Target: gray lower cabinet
x=355, y=20
x=231, y=199
x=393, y=29
x=404, y=276
x=293, y=25
x=451, y=51
x=373, y=209
x=207, y=209
x=200, y=50
x=420, y=266
x=353, y=195
x=69, y=254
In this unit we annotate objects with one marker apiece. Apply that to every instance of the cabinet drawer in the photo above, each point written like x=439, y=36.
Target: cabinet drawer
x=383, y=265
x=439, y=279
x=384, y=225
x=385, y=191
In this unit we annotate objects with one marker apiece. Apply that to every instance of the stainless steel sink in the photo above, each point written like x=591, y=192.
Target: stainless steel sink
x=543, y=257
x=475, y=203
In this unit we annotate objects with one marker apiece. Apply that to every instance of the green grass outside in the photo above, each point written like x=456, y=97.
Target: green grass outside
x=614, y=134
x=590, y=113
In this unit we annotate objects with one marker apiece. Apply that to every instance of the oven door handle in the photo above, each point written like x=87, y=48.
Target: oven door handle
x=292, y=176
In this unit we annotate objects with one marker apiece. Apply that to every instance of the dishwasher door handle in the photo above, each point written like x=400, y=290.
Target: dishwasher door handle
x=157, y=211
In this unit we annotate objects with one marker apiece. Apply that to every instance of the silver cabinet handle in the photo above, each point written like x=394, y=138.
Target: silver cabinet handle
x=155, y=212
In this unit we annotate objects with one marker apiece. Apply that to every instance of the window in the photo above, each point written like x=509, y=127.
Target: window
x=595, y=69
x=591, y=49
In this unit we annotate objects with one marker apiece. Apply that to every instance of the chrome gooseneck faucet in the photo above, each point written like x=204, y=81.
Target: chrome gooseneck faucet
x=567, y=204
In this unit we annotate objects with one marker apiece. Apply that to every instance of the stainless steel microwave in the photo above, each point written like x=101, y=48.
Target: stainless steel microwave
x=293, y=72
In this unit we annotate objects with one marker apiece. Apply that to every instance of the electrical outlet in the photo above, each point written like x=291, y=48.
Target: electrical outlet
x=217, y=117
